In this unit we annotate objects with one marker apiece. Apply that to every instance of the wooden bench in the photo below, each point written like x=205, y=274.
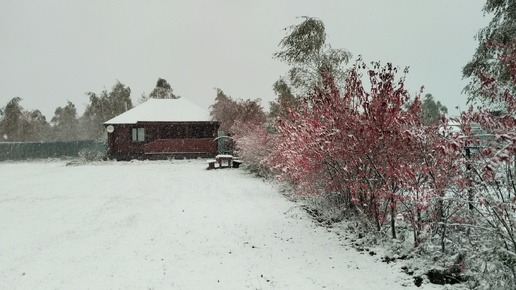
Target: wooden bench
x=211, y=163
x=237, y=163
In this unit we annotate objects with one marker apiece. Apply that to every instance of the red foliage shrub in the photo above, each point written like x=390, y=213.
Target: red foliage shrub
x=366, y=146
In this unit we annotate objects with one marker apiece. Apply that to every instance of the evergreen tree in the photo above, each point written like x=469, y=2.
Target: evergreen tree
x=163, y=90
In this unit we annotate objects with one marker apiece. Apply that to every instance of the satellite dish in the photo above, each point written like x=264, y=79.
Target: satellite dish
x=110, y=129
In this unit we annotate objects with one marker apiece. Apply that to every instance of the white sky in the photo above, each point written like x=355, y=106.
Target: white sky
x=52, y=51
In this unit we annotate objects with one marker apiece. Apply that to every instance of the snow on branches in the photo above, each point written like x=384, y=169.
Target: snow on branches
x=366, y=145
x=366, y=148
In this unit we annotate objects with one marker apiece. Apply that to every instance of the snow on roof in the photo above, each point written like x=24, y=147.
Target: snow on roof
x=163, y=110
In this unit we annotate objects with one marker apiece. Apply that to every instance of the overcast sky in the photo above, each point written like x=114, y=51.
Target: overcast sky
x=53, y=51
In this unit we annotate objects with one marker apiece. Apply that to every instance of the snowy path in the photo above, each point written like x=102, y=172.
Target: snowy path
x=166, y=225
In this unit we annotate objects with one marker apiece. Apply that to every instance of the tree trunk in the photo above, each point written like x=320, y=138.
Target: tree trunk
x=393, y=219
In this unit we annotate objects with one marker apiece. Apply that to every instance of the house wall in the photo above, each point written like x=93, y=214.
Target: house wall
x=174, y=146
x=163, y=140
x=120, y=145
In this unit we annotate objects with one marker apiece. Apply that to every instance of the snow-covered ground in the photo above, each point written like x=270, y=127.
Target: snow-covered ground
x=168, y=225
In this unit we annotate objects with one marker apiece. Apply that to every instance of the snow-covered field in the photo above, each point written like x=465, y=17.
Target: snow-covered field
x=168, y=225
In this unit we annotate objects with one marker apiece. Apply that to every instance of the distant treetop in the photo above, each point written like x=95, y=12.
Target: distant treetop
x=163, y=90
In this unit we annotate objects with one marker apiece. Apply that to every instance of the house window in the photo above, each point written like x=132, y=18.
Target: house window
x=138, y=134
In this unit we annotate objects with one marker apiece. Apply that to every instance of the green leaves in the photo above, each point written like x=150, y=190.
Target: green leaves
x=163, y=90
x=306, y=50
x=304, y=41
x=65, y=122
x=431, y=110
x=12, y=120
x=105, y=106
x=493, y=41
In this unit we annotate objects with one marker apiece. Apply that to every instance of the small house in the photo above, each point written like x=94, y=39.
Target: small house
x=161, y=129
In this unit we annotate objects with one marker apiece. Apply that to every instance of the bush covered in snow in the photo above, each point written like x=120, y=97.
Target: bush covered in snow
x=448, y=194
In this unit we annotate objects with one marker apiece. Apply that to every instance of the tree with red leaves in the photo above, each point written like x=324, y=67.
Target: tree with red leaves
x=367, y=147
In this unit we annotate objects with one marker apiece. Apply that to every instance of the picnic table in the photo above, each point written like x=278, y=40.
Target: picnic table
x=232, y=161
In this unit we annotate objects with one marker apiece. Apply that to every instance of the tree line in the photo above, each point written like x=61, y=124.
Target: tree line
x=355, y=140
x=20, y=125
